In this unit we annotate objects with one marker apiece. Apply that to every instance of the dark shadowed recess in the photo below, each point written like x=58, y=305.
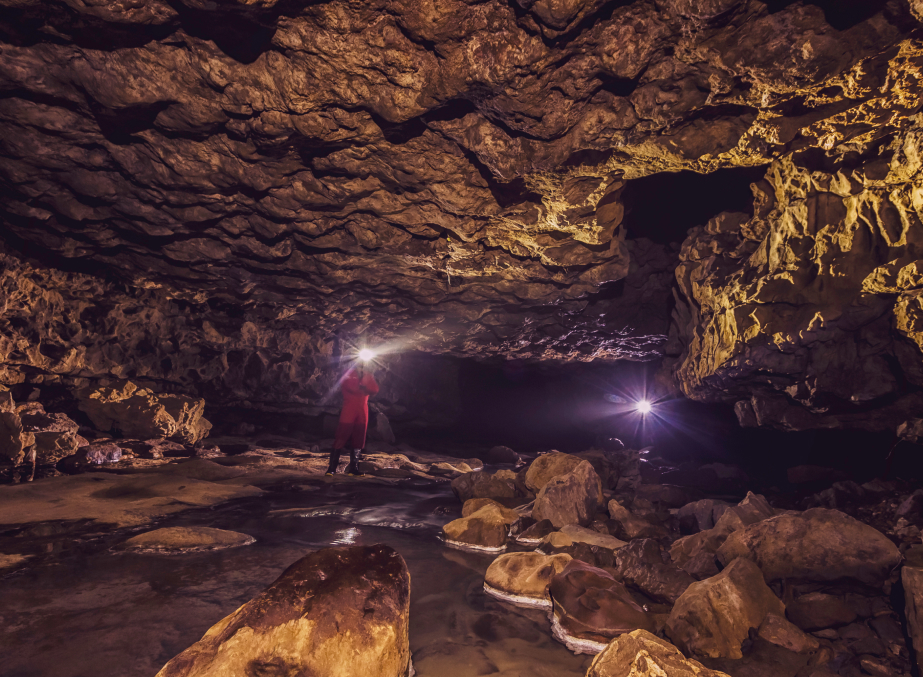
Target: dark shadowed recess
x=663, y=207
x=841, y=14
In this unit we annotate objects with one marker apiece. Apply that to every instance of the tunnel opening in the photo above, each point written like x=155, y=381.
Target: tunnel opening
x=663, y=207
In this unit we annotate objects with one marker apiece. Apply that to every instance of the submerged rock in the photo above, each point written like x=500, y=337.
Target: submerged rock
x=591, y=608
x=175, y=540
x=641, y=654
x=523, y=577
x=817, y=545
x=571, y=498
x=713, y=617
x=484, y=529
x=338, y=611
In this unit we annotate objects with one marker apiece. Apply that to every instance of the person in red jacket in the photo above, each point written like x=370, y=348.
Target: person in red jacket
x=357, y=386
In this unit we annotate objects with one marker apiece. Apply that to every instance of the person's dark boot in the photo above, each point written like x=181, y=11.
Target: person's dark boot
x=334, y=462
x=353, y=467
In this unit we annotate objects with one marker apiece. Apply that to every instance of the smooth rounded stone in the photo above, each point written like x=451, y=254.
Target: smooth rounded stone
x=818, y=610
x=571, y=498
x=578, y=534
x=633, y=526
x=591, y=608
x=781, y=632
x=502, y=454
x=175, y=540
x=713, y=617
x=98, y=454
x=337, y=611
x=534, y=534
x=485, y=529
x=817, y=545
x=523, y=577
x=643, y=565
x=548, y=466
x=472, y=505
x=480, y=484
x=700, y=515
x=641, y=654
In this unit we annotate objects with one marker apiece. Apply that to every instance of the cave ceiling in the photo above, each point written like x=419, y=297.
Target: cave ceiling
x=444, y=173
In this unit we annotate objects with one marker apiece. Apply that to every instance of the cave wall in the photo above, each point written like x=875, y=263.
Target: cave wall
x=808, y=313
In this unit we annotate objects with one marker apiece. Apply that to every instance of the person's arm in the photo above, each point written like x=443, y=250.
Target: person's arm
x=368, y=384
x=351, y=385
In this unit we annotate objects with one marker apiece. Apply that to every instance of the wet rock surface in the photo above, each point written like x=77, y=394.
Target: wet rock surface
x=569, y=498
x=641, y=654
x=523, y=577
x=175, y=540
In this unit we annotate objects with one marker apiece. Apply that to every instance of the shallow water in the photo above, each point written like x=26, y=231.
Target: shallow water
x=82, y=610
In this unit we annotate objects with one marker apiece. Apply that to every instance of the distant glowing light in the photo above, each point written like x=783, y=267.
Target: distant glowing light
x=644, y=407
x=365, y=354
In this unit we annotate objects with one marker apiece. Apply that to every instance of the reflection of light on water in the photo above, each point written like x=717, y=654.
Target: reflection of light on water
x=345, y=536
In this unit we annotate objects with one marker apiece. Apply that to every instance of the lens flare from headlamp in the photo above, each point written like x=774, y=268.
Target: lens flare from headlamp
x=644, y=407
x=365, y=354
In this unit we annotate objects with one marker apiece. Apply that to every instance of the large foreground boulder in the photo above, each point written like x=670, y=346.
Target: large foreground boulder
x=591, y=608
x=641, y=654
x=713, y=617
x=140, y=413
x=485, y=529
x=816, y=545
x=571, y=498
x=523, y=577
x=339, y=612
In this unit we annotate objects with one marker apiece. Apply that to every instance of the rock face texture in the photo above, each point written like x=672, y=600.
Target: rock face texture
x=642, y=654
x=338, y=611
x=808, y=314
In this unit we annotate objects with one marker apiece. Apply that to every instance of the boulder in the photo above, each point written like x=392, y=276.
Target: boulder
x=175, y=540
x=591, y=608
x=480, y=484
x=643, y=565
x=140, y=413
x=578, y=534
x=548, y=466
x=700, y=515
x=816, y=545
x=818, y=610
x=777, y=630
x=15, y=442
x=485, y=529
x=502, y=455
x=632, y=526
x=713, y=617
x=523, y=577
x=474, y=504
x=534, y=534
x=338, y=611
x=571, y=498
x=55, y=434
x=97, y=454
x=641, y=654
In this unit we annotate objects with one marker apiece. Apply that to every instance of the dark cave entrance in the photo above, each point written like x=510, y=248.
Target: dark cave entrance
x=663, y=207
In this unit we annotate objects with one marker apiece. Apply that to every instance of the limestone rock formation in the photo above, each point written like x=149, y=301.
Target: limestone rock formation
x=591, y=608
x=548, y=466
x=817, y=545
x=337, y=611
x=807, y=315
x=643, y=565
x=523, y=577
x=485, y=529
x=633, y=526
x=15, y=442
x=571, y=498
x=713, y=617
x=140, y=413
x=500, y=485
x=55, y=434
x=641, y=654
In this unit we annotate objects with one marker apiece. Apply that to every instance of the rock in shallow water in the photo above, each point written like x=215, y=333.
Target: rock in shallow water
x=523, y=577
x=339, y=612
x=641, y=654
x=485, y=529
x=571, y=498
x=175, y=540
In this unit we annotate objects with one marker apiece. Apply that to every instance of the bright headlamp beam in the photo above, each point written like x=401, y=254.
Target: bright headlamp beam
x=644, y=407
x=365, y=354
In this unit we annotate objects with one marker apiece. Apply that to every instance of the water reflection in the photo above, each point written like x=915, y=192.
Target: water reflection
x=346, y=536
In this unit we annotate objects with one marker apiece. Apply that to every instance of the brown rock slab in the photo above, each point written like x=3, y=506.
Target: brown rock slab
x=523, y=577
x=818, y=545
x=571, y=498
x=338, y=611
x=779, y=631
x=472, y=505
x=534, y=534
x=818, y=610
x=176, y=540
x=633, y=526
x=643, y=565
x=713, y=617
x=485, y=529
x=641, y=654
x=591, y=608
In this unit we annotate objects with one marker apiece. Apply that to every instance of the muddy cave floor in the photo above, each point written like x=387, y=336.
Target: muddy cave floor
x=72, y=604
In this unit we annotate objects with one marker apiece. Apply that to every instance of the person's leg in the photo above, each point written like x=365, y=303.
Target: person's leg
x=357, y=441
x=343, y=435
x=334, y=460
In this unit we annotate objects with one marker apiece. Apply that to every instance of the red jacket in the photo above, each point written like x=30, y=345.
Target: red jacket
x=356, y=397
